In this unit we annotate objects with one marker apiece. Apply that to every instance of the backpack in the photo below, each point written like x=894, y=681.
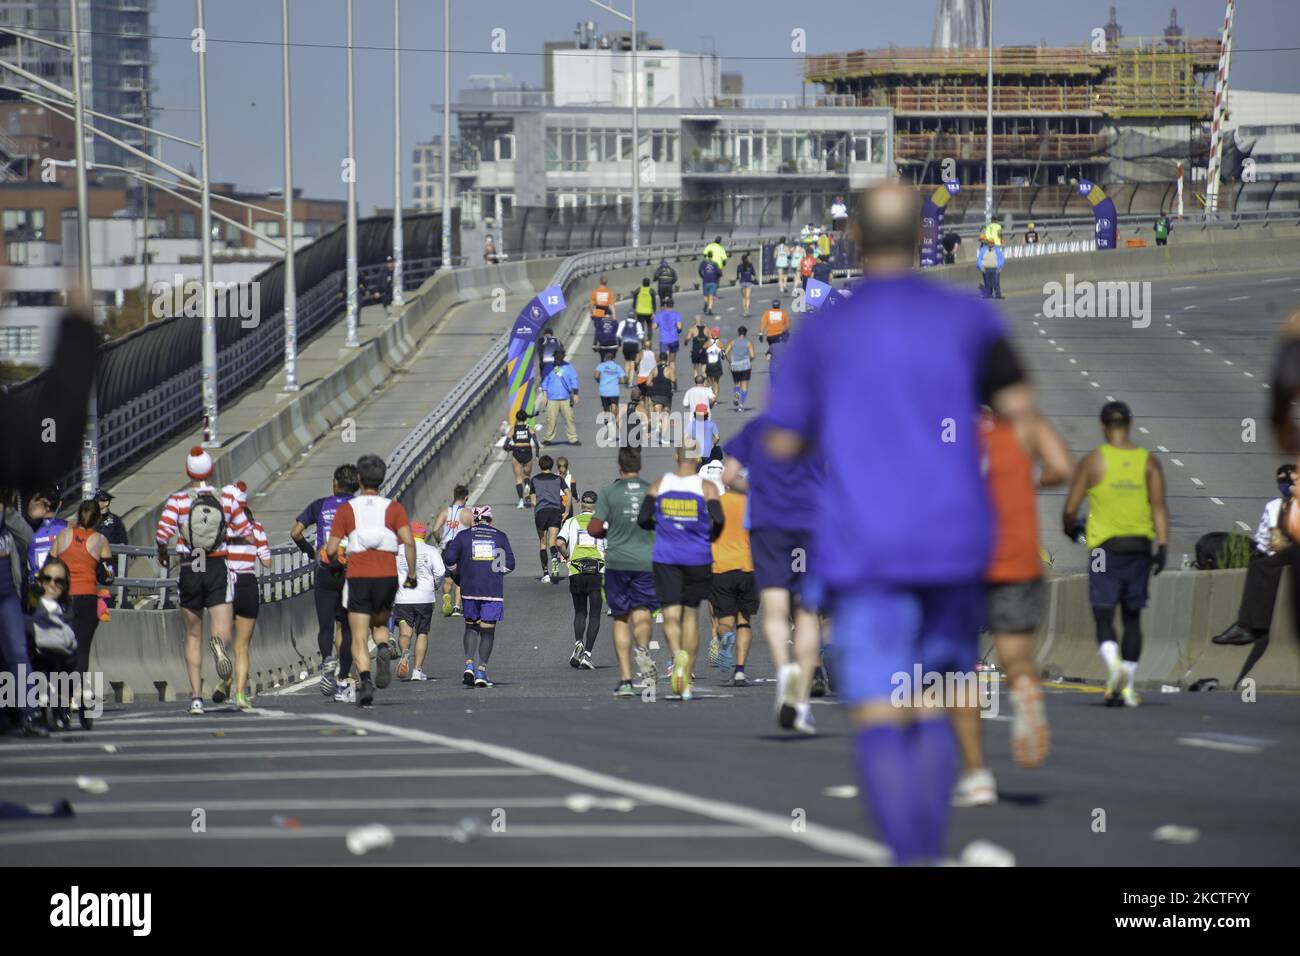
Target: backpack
x=205, y=529
x=630, y=331
x=1213, y=549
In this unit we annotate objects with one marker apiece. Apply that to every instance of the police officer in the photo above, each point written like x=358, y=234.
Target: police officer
x=110, y=525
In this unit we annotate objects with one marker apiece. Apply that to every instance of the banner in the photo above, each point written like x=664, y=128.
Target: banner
x=521, y=360
x=932, y=223
x=1103, y=214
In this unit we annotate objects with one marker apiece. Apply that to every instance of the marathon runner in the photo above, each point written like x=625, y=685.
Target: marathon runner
x=782, y=257
x=548, y=515
x=1125, y=488
x=685, y=512
x=774, y=328
x=747, y=278
x=480, y=557
x=660, y=393
x=242, y=557
x=570, y=486
x=609, y=375
x=643, y=303
x=631, y=335
x=521, y=442
x=699, y=334
x=668, y=325
x=1015, y=592
x=374, y=528
x=710, y=275
x=202, y=519
x=699, y=394
x=665, y=278
x=629, y=577
x=740, y=356
x=713, y=353
x=413, y=607
x=586, y=557
x=333, y=633
x=602, y=301
x=734, y=597
x=547, y=346
x=446, y=526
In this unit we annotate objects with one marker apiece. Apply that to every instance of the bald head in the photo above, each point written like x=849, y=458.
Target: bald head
x=888, y=222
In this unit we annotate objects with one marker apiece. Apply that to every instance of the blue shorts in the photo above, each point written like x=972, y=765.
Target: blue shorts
x=879, y=632
x=669, y=347
x=487, y=611
x=626, y=590
x=1123, y=582
x=710, y=288
x=780, y=558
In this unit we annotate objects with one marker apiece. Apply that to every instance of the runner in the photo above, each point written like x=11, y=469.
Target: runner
x=86, y=554
x=606, y=344
x=374, y=528
x=740, y=356
x=668, y=325
x=413, y=607
x=1015, y=594
x=1125, y=488
x=637, y=428
x=665, y=278
x=660, y=392
x=609, y=375
x=333, y=633
x=713, y=362
x=699, y=344
x=201, y=518
x=480, y=557
x=734, y=597
x=243, y=555
x=806, y=265
x=774, y=328
x=643, y=304
x=548, y=515
x=586, y=557
x=645, y=369
x=702, y=433
x=685, y=512
x=570, y=487
x=748, y=278
x=631, y=335
x=547, y=346
x=446, y=526
x=782, y=257
x=629, y=577
x=602, y=301
x=521, y=442
x=710, y=274
x=783, y=498
x=699, y=394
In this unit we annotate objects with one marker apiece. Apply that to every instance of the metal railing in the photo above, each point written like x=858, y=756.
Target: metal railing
x=291, y=573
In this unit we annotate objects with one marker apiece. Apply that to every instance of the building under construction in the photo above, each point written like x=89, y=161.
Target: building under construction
x=1118, y=111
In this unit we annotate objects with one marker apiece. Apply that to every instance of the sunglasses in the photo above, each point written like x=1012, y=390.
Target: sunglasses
x=46, y=579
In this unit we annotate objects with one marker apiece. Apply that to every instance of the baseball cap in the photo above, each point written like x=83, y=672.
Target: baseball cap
x=776, y=303
x=419, y=529
x=701, y=407
x=589, y=496
x=483, y=512
x=103, y=495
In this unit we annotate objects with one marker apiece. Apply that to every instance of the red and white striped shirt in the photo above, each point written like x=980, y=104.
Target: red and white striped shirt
x=242, y=554
x=176, y=514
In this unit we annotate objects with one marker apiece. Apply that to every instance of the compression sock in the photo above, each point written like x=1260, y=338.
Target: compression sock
x=485, y=639
x=519, y=489
x=887, y=786
x=470, y=641
x=541, y=557
x=1132, y=620
x=934, y=752
x=365, y=676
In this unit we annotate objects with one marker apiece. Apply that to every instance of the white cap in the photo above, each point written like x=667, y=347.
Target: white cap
x=713, y=472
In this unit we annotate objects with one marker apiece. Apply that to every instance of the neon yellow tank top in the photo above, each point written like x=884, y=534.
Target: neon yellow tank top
x=644, y=302
x=1119, y=506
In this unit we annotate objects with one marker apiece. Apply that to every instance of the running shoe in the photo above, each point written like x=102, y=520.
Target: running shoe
x=329, y=670
x=688, y=692
x=727, y=652
x=222, y=692
x=241, y=702
x=1114, y=683
x=1130, y=697
x=467, y=678
x=787, y=694
x=715, y=648
x=803, y=719
x=645, y=666
x=975, y=788
x=365, y=693
x=481, y=678
x=545, y=579
x=457, y=611
x=196, y=707
x=659, y=617
x=225, y=669
x=820, y=686
x=404, y=666
x=555, y=569
x=346, y=692
x=383, y=665
x=419, y=675
x=625, y=689
x=680, y=680
x=1030, y=736
x=446, y=605
x=587, y=664
x=520, y=504
x=739, y=679
x=576, y=657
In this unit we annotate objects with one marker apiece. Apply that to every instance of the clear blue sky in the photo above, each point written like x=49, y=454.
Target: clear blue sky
x=753, y=38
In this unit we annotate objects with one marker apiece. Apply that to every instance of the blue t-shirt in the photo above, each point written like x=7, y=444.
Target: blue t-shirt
x=482, y=557
x=895, y=418
x=709, y=271
x=610, y=374
x=42, y=542
x=321, y=514
x=669, y=323
x=705, y=434
x=682, y=525
x=783, y=494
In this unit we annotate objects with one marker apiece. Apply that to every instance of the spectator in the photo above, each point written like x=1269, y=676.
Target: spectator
x=52, y=642
x=15, y=534
x=839, y=214
x=822, y=269
x=989, y=262
x=83, y=551
x=1031, y=235
x=561, y=390
x=1162, y=227
x=489, y=250
x=951, y=243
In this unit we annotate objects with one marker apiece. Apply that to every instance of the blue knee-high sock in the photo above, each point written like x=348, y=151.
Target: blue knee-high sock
x=888, y=784
x=935, y=759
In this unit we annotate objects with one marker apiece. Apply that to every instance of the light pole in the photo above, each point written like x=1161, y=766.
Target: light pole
x=90, y=443
x=636, y=125
x=988, y=128
x=445, y=249
x=398, y=299
x=352, y=200
x=290, y=286
x=211, y=438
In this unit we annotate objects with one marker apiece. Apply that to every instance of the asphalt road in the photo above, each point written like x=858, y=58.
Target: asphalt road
x=547, y=767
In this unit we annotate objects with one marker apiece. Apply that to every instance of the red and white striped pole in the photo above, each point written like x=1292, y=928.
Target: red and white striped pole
x=1220, y=110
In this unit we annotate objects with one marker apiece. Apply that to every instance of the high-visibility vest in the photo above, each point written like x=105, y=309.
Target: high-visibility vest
x=993, y=231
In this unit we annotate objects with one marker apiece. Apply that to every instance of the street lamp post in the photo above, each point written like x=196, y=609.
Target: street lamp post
x=988, y=128
x=398, y=298
x=445, y=248
x=636, y=124
x=90, y=442
x=211, y=437
x=352, y=200
x=290, y=286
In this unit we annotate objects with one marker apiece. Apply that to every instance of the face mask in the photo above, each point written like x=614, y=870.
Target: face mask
x=1285, y=488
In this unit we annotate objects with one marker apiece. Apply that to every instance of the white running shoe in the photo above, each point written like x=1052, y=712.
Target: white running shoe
x=787, y=694
x=803, y=719
x=586, y=664
x=418, y=674
x=976, y=788
x=576, y=657
x=346, y=692
x=196, y=707
x=545, y=579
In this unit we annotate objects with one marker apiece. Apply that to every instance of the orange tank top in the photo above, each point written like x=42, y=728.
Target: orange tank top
x=1010, y=476
x=82, y=566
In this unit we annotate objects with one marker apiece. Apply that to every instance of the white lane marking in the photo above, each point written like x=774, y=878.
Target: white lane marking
x=1216, y=500
x=1051, y=341
x=1059, y=349
x=1181, y=332
x=843, y=792
x=1038, y=315
x=347, y=753
x=127, y=747
x=1082, y=372
x=1198, y=483
x=98, y=737
x=1238, y=298
x=1243, y=526
x=1042, y=331
x=1110, y=398
x=1074, y=361
x=1182, y=288
x=1095, y=385
x=322, y=773
x=1141, y=428
x=1227, y=361
x=283, y=805
x=1196, y=343
x=1248, y=374
x=823, y=838
x=518, y=831
x=1230, y=746
x=1266, y=385
x=1210, y=351
x=1162, y=448
x=1188, y=308
x=1281, y=279
x=1176, y=462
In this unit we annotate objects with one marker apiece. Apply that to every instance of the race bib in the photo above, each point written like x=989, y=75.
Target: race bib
x=483, y=551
